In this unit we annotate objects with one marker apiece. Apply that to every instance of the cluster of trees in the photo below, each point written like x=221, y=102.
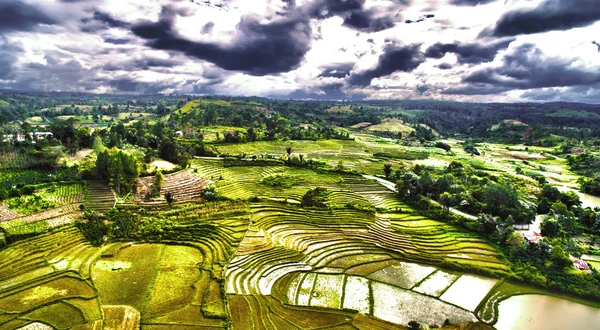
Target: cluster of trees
x=566, y=217
x=317, y=197
x=588, y=165
x=464, y=188
x=120, y=168
x=131, y=224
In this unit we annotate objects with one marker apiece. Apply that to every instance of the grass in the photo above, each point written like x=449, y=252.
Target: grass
x=59, y=315
x=173, y=287
x=125, y=278
x=120, y=317
x=340, y=109
x=61, y=288
x=391, y=125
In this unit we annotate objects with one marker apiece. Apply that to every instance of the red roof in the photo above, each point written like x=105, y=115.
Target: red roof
x=580, y=264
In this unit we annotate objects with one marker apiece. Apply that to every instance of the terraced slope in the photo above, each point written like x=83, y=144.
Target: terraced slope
x=99, y=197
x=184, y=185
x=285, y=239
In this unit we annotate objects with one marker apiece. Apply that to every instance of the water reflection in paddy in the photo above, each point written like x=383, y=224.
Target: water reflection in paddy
x=545, y=312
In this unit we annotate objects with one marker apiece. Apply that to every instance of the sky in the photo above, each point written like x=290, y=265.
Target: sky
x=459, y=50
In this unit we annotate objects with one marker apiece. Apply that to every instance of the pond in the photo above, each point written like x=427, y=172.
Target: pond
x=586, y=199
x=545, y=312
x=589, y=200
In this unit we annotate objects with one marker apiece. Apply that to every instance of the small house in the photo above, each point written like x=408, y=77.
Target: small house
x=532, y=237
x=581, y=265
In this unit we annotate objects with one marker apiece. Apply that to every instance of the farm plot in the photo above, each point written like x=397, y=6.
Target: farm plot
x=124, y=278
x=446, y=242
x=244, y=182
x=46, y=254
x=62, y=193
x=40, y=282
x=284, y=239
x=184, y=186
x=372, y=298
x=382, y=198
x=99, y=197
x=468, y=291
x=184, y=293
x=42, y=221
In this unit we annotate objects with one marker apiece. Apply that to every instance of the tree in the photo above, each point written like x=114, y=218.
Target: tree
x=317, y=197
x=443, y=145
x=565, y=217
x=515, y=242
x=408, y=185
x=210, y=194
x=387, y=170
x=124, y=223
x=156, y=185
x=168, y=151
x=340, y=166
x=93, y=228
x=446, y=199
x=560, y=258
x=251, y=134
x=550, y=228
x=184, y=160
x=120, y=168
x=289, y=151
x=169, y=197
x=426, y=183
x=83, y=137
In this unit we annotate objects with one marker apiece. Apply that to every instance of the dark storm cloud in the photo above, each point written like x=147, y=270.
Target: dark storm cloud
x=354, y=14
x=129, y=85
x=59, y=71
x=8, y=57
x=328, y=8
x=525, y=68
x=259, y=49
x=19, y=16
x=337, y=71
x=117, y=41
x=367, y=21
x=444, y=66
x=109, y=20
x=470, y=2
x=597, y=45
x=571, y=94
x=332, y=92
x=102, y=21
x=140, y=64
x=550, y=15
x=475, y=89
x=394, y=58
x=468, y=53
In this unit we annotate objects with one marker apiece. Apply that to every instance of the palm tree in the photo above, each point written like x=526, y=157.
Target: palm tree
x=387, y=170
x=289, y=151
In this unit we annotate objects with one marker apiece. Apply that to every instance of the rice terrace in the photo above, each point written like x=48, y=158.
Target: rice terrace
x=343, y=228
x=299, y=164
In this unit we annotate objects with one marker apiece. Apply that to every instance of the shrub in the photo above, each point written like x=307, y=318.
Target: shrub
x=93, y=228
x=210, y=194
x=278, y=180
x=317, y=197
